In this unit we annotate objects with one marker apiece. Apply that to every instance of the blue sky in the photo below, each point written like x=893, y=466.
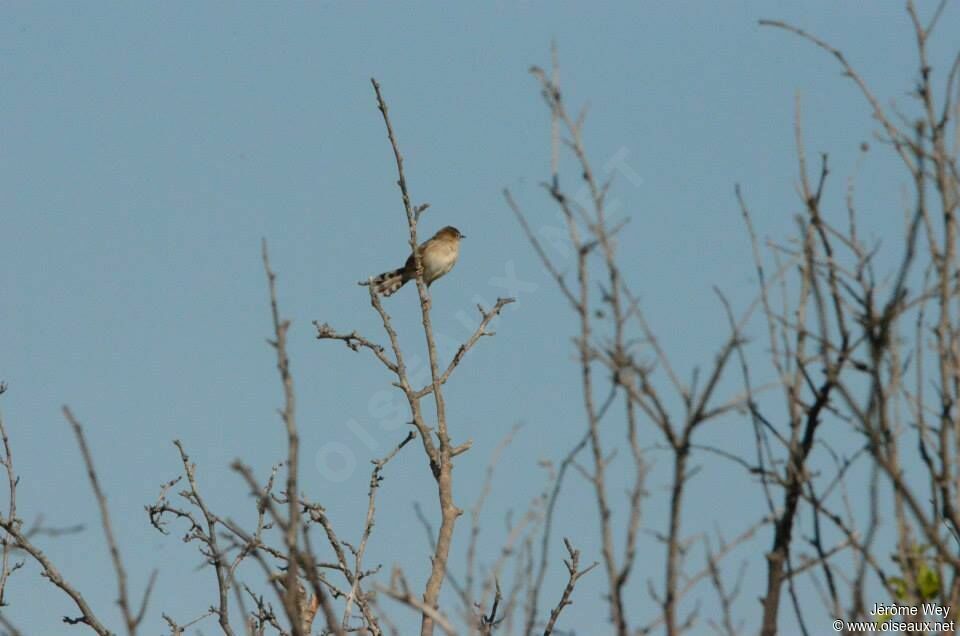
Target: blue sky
x=146, y=150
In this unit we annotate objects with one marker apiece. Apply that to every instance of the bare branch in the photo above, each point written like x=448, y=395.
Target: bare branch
x=575, y=573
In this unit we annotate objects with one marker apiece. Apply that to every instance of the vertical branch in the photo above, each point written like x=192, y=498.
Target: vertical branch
x=291, y=600
x=6, y=568
x=475, y=513
x=356, y=594
x=616, y=576
x=833, y=352
x=436, y=441
x=574, y=574
x=131, y=619
x=442, y=463
x=215, y=556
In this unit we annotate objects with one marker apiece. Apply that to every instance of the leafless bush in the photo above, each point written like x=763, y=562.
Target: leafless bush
x=842, y=339
x=857, y=349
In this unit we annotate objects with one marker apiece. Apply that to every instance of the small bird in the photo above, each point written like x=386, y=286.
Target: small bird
x=438, y=255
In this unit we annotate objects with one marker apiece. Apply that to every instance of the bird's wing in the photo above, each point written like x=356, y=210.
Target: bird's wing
x=410, y=267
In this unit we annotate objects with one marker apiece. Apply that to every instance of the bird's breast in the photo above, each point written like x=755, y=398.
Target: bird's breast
x=438, y=259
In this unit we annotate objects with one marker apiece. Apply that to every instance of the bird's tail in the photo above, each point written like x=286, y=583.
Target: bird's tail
x=389, y=282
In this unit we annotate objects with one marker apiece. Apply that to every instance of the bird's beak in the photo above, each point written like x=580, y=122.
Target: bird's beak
x=463, y=236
